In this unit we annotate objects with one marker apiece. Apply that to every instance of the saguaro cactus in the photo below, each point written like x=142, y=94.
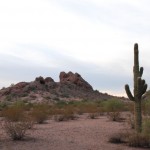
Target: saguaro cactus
x=140, y=88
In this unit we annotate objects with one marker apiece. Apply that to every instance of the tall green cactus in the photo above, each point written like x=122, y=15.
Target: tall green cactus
x=139, y=89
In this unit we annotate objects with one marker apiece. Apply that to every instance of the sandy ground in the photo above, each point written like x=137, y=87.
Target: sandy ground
x=80, y=134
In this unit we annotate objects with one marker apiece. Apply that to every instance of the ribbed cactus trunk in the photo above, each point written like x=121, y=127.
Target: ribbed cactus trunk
x=139, y=89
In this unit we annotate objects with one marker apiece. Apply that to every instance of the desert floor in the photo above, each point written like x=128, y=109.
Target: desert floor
x=80, y=134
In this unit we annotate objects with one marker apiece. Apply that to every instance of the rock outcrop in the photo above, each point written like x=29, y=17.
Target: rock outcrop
x=70, y=87
x=75, y=79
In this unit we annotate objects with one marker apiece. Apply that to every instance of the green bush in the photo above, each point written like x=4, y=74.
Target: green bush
x=113, y=107
x=40, y=113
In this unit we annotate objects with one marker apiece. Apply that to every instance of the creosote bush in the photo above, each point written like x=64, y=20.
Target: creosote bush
x=146, y=126
x=13, y=113
x=146, y=107
x=65, y=114
x=117, y=138
x=16, y=130
x=39, y=113
x=93, y=115
x=130, y=121
x=113, y=108
x=139, y=140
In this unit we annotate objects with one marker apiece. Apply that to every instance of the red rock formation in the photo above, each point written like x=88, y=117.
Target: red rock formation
x=75, y=79
x=71, y=87
x=48, y=79
x=40, y=80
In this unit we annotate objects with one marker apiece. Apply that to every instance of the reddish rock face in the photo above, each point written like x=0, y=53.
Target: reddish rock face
x=75, y=79
x=20, y=85
x=71, y=87
x=48, y=79
x=40, y=80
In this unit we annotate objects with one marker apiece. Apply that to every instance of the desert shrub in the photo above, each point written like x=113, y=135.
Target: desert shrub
x=139, y=140
x=65, y=95
x=8, y=97
x=65, y=115
x=3, y=105
x=16, y=130
x=113, y=107
x=61, y=104
x=78, y=107
x=56, y=98
x=146, y=107
x=39, y=113
x=88, y=107
x=130, y=121
x=114, y=116
x=117, y=138
x=133, y=139
x=13, y=113
x=128, y=106
x=146, y=127
x=92, y=115
x=23, y=104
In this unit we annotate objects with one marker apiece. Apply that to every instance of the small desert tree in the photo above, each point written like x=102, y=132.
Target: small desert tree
x=139, y=89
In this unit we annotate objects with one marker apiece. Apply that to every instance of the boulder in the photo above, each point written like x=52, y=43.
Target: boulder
x=40, y=80
x=48, y=79
x=75, y=79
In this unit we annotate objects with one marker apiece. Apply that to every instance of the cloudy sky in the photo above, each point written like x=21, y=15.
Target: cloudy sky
x=92, y=37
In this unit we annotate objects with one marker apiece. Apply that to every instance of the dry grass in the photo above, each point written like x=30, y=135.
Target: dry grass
x=16, y=130
x=39, y=113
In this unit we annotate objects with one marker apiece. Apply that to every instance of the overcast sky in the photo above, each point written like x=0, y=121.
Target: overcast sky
x=92, y=37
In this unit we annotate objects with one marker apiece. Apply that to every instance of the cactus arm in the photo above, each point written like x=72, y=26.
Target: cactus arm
x=130, y=96
x=144, y=89
x=141, y=71
x=143, y=82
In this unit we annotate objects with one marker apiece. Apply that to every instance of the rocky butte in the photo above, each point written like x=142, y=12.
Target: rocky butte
x=70, y=87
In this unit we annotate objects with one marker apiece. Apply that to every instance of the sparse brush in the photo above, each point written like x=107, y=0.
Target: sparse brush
x=114, y=116
x=117, y=138
x=146, y=107
x=130, y=121
x=146, y=126
x=66, y=114
x=16, y=130
x=92, y=115
x=13, y=113
x=113, y=108
x=64, y=117
x=139, y=140
x=39, y=113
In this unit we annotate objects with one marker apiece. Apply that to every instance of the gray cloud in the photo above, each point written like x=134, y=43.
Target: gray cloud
x=27, y=61
x=101, y=77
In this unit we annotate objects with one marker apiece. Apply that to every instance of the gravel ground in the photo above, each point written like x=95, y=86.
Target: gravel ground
x=80, y=134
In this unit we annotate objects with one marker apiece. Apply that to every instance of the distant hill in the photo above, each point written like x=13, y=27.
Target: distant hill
x=70, y=87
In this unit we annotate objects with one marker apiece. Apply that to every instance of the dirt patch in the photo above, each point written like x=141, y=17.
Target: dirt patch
x=80, y=134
